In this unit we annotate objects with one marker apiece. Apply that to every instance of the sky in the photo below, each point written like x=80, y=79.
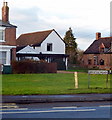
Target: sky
x=85, y=17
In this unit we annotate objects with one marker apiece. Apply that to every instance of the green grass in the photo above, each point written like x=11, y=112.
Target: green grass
x=27, y=84
x=80, y=69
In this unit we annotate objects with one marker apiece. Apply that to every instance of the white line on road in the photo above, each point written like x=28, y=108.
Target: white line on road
x=15, y=109
x=48, y=111
x=63, y=107
x=105, y=106
x=9, y=106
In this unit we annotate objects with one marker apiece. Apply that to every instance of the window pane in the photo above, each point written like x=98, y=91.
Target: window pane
x=49, y=47
x=4, y=54
x=0, y=54
x=2, y=57
x=1, y=35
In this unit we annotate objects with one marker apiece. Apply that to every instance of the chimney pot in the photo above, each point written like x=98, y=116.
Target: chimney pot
x=98, y=35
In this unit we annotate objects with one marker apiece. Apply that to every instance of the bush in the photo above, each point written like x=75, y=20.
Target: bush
x=29, y=66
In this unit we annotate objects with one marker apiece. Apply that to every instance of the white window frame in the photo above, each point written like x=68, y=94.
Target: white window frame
x=3, y=30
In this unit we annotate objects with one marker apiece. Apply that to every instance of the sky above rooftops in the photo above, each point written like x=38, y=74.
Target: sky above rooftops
x=85, y=17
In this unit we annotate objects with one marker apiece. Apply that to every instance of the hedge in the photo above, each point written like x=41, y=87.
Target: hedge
x=29, y=66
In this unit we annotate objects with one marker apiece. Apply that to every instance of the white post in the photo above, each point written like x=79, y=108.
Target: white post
x=66, y=63
x=8, y=57
x=76, y=79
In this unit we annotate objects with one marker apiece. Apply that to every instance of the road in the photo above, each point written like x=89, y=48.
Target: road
x=57, y=110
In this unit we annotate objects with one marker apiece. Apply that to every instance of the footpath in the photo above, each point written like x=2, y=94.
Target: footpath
x=22, y=99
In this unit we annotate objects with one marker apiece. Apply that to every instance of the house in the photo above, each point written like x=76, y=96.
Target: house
x=7, y=38
x=99, y=53
x=43, y=45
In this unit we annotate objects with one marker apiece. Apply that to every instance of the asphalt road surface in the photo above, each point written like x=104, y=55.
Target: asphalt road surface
x=57, y=110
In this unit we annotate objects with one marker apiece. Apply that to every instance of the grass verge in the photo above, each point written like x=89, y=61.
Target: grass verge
x=32, y=84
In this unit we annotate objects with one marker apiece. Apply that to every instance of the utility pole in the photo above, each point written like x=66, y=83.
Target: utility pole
x=111, y=57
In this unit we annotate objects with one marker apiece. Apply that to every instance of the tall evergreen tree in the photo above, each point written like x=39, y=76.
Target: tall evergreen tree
x=71, y=46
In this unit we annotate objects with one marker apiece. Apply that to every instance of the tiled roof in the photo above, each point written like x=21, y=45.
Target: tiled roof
x=94, y=47
x=3, y=24
x=33, y=39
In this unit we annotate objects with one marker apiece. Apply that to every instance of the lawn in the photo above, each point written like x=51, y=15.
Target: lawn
x=27, y=84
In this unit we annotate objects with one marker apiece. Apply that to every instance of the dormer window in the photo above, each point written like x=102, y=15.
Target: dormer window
x=102, y=48
x=2, y=35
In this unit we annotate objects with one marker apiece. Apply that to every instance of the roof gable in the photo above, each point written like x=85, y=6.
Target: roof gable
x=27, y=50
x=33, y=39
x=94, y=47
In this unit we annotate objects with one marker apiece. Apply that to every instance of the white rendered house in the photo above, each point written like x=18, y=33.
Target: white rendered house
x=46, y=45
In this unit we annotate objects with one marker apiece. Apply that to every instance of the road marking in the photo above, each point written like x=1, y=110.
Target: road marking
x=105, y=106
x=15, y=109
x=48, y=111
x=9, y=106
x=63, y=107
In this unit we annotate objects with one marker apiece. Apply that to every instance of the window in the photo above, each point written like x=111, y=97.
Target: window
x=2, y=57
x=101, y=62
x=89, y=61
x=2, y=35
x=95, y=60
x=49, y=46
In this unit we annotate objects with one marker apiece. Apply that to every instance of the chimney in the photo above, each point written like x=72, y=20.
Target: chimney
x=98, y=35
x=5, y=12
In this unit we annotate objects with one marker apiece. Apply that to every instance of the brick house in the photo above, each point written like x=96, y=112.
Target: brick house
x=7, y=38
x=46, y=45
x=99, y=53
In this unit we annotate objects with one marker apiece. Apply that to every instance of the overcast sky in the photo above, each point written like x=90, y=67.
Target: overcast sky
x=85, y=17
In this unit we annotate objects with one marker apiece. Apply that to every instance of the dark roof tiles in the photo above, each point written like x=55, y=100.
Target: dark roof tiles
x=94, y=47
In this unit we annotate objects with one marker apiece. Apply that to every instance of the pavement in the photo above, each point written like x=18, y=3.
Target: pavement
x=22, y=99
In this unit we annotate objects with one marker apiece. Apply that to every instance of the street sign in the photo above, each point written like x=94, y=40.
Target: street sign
x=97, y=72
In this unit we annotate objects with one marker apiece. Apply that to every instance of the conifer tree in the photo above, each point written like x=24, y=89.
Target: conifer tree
x=71, y=46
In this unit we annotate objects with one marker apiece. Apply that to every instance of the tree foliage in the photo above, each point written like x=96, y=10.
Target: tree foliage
x=71, y=46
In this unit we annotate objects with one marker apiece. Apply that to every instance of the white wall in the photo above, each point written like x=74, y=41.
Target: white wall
x=58, y=44
x=7, y=49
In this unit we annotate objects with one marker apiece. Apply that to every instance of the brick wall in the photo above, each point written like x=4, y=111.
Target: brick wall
x=10, y=37
x=106, y=57
x=13, y=54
